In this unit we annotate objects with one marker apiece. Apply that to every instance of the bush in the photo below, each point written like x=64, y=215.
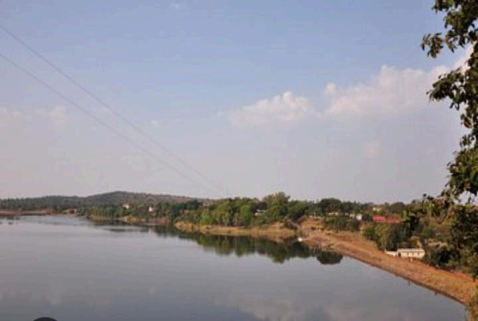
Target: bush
x=369, y=232
x=341, y=223
x=441, y=257
x=427, y=233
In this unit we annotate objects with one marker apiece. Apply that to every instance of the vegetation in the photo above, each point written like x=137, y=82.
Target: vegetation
x=61, y=203
x=341, y=223
x=388, y=237
x=460, y=88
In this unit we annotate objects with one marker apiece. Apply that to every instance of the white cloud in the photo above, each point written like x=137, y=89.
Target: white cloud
x=7, y=116
x=391, y=91
x=155, y=123
x=285, y=108
x=178, y=5
x=371, y=150
x=58, y=116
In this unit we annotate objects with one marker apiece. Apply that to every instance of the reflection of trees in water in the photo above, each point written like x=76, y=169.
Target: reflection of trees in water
x=328, y=257
x=236, y=245
x=240, y=246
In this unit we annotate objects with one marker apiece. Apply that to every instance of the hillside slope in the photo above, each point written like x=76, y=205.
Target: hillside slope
x=65, y=202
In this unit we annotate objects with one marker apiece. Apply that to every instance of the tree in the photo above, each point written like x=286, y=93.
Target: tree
x=460, y=87
x=277, y=205
x=296, y=209
x=244, y=216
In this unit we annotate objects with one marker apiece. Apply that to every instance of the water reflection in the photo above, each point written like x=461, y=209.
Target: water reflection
x=278, y=252
x=329, y=257
x=115, y=272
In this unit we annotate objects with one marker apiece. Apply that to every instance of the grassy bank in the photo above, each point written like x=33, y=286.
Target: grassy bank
x=455, y=285
x=275, y=232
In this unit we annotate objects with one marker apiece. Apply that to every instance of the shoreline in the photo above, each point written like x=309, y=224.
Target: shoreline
x=10, y=213
x=454, y=285
x=275, y=232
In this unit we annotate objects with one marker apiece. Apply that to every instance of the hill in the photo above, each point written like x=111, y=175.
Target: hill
x=66, y=202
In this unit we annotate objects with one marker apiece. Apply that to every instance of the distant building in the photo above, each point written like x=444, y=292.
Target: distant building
x=333, y=214
x=392, y=253
x=407, y=253
x=126, y=206
x=387, y=220
x=151, y=209
x=358, y=217
x=259, y=212
x=377, y=208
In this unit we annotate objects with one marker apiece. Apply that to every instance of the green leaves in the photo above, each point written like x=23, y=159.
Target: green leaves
x=460, y=88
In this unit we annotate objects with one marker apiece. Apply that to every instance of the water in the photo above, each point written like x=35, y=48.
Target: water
x=72, y=270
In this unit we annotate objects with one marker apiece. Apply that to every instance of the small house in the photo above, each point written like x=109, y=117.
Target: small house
x=407, y=253
x=411, y=253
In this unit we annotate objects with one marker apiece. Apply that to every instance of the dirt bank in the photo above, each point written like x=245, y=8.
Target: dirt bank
x=275, y=232
x=25, y=213
x=456, y=285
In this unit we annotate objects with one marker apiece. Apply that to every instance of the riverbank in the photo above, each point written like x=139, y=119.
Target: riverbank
x=130, y=220
x=455, y=285
x=275, y=232
x=10, y=213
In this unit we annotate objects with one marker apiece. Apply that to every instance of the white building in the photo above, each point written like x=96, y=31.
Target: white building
x=407, y=253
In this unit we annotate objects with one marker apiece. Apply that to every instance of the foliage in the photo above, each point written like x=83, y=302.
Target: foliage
x=442, y=257
x=341, y=223
x=60, y=203
x=369, y=232
x=387, y=236
x=460, y=88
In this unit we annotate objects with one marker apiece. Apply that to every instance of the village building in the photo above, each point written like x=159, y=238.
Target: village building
x=407, y=253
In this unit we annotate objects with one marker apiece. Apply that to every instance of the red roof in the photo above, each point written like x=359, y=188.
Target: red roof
x=383, y=219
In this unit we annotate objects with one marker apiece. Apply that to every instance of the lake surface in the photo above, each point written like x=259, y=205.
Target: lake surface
x=72, y=270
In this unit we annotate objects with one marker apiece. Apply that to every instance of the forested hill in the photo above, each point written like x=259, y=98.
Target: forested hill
x=107, y=199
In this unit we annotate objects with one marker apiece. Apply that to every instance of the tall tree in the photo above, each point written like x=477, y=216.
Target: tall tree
x=460, y=88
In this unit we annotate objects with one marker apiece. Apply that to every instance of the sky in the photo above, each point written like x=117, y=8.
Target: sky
x=242, y=98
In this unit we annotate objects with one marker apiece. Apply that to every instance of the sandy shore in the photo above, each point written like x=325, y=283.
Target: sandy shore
x=455, y=285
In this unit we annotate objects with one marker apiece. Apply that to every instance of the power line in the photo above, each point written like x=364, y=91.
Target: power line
x=113, y=111
x=98, y=120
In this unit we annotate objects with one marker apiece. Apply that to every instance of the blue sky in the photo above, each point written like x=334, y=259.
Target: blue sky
x=314, y=98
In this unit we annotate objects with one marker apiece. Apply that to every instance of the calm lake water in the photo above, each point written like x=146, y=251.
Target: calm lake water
x=72, y=270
